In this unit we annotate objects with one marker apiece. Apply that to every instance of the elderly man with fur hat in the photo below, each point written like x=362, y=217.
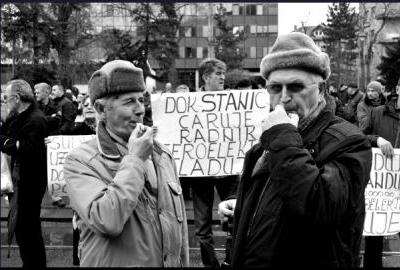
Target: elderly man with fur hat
x=300, y=202
x=123, y=184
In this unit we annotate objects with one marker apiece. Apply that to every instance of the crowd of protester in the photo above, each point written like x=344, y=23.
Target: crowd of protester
x=328, y=116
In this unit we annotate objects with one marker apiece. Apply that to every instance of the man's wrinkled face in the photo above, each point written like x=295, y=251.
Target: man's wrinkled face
x=295, y=89
x=40, y=93
x=56, y=91
x=124, y=112
x=372, y=94
x=215, y=80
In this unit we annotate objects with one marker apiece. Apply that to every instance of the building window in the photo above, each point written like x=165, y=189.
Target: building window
x=253, y=29
x=273, y=28
x=109, y=10
x=260, y=52
x=200, y=52
x=259, y=30
x=206, y=32
x=265, y=51
x=259, y=9
x=181, y=52
x=235, y=9
x=253, y=52
x=190, y=31
x=190, y=52
x=251, y=10
x=205, y=52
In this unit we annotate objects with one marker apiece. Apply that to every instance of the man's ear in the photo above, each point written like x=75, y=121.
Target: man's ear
x=204, y=77
x=100, y=108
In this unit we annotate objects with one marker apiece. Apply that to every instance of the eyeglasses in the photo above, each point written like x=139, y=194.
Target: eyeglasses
x=276, y=88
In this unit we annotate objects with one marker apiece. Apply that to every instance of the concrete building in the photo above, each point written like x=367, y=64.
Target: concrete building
x=259, y=21
x=379, y=26
x=315, y=32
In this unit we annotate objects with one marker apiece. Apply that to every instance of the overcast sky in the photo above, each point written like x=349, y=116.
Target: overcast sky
x=311, y=14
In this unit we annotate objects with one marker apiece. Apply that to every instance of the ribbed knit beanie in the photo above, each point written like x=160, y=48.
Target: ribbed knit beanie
x=296, y=50
x=375, y=85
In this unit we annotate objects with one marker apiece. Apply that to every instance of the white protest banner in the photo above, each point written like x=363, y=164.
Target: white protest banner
x=208, y=133
x=382, y=195
x=57, y=150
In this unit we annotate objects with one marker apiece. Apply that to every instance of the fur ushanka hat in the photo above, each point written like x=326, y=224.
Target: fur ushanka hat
x=115, y=77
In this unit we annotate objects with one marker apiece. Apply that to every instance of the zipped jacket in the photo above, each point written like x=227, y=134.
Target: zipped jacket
x=123, y=219
x=305, y=206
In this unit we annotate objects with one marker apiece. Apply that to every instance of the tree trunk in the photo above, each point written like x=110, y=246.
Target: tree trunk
x=64, y=71
x=368, y=65
x=13, y=57
x=362, y=66
x=173, y=74
x=339, y=63
x=35, y=39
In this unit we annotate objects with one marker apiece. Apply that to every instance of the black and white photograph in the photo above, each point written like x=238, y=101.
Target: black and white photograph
x=200, y=134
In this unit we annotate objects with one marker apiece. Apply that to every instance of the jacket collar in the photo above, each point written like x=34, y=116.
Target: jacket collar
x=105, y=143
x=370, y=102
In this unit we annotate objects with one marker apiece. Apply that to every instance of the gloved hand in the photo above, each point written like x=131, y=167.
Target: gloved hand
x=279, y=116
x=386, y=147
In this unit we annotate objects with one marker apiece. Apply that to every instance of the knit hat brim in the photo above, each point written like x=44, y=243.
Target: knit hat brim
x=296, y=50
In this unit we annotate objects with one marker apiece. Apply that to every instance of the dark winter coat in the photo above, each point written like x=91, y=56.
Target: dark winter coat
x=28, y=162
x=349, y=110
x=53, y=121
x=68, y=114
x=30, y=129
x=364, y=109
x=305, y=206
x=385, y=123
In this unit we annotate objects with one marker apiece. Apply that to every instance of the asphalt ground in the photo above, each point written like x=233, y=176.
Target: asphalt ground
x=62, y=257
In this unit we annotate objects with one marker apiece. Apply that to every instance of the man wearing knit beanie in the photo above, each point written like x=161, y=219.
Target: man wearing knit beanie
x=123, y=184
x=383, y=129
x=373, y=98
x=302, y=186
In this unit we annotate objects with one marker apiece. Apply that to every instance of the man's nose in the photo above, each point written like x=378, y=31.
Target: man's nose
x=285, y=98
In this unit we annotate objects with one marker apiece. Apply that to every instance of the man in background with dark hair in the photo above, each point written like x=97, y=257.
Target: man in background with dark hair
x=349, y=110
x=22, y=137
x=212, y=71
x=65, y=108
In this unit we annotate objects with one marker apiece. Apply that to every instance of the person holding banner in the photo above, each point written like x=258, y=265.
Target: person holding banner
x=212, y=71
x=383, y=129
x=123, y=184
x=22, y=137
x=300, y=201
